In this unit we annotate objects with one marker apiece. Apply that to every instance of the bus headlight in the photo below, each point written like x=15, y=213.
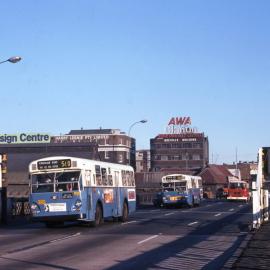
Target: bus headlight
x=77, y=205
x=35, y=209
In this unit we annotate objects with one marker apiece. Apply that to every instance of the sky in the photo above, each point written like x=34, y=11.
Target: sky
x=91, y=64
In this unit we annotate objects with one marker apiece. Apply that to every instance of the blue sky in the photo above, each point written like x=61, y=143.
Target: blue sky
x=108, y=64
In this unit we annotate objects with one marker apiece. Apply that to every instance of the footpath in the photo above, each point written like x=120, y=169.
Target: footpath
x=256, y=254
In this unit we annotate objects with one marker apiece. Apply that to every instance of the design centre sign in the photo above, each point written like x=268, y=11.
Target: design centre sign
x=24, y=138
x=180, y=125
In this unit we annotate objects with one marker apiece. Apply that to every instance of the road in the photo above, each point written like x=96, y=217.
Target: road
x=204, y=237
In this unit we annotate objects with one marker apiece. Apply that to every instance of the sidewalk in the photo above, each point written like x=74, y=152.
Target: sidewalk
x=256, y=255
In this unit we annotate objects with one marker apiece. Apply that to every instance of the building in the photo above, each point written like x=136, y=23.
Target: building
x=187, y=152
x=182, y=148
x=214, y=177
x=113, y=145
x=143, y=161
x=244, y=168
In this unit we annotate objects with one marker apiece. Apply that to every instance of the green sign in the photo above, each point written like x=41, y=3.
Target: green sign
x=24, y=138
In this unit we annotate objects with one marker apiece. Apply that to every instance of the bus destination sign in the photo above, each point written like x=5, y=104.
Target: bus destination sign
x=54, y=164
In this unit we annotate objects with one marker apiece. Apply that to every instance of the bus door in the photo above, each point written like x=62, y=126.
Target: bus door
x=117, y=208
x=88, y=193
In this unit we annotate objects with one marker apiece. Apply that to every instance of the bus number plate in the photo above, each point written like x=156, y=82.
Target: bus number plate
x=57, y=207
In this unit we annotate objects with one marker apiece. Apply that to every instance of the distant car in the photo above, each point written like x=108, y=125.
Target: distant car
x=221, y=193
x=173, y=198
x=158, y=201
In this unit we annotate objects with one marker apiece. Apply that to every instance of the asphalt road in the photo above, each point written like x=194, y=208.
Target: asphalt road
x=204, y=237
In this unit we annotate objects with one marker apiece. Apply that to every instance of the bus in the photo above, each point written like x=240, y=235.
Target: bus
x=179, y=189
x=238, y=190
x=69, y=188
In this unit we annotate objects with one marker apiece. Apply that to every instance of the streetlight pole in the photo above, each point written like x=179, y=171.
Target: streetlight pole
x=13, y=60
x=129, y=130
x=142, y=121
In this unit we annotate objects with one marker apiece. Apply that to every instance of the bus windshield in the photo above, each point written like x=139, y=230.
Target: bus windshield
x=55, y=182
x=180, y=186
x=237, y=185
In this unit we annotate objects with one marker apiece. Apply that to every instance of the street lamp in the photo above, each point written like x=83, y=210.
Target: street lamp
x=13, y=60
x=138, y=122
x=142, y=121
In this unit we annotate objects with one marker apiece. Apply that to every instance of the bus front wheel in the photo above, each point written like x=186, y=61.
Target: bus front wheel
x=124, y=216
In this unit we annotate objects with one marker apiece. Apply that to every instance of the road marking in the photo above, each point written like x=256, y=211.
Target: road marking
x=208, y=205
x=65, y=238
x=168, y=214
x=232, y=209
x=129, y=222
x=149, y=238
x=240, y=205
x=219, y=214
x=192, y=223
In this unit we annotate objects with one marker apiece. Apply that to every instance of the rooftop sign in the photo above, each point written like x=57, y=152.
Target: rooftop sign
x=24, y=138
x=180, y=125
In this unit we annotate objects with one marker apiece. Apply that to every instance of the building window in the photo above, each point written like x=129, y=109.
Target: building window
x=107, y=154
x=164, y=157
x=187, y=145
x=196, y=157
x=197, y=145
x=120, y=158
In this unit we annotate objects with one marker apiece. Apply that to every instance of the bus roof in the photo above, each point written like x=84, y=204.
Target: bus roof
x=83, y=161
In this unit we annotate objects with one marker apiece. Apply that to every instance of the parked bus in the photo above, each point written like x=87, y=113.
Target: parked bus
x=68, y=188
x=179, y=189
x=237, y=190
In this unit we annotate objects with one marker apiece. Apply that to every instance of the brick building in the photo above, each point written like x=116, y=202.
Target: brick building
x=143, y=161
x=186, y=152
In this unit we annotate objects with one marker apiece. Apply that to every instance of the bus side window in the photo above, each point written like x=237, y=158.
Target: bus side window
x=128, y=180
x=110, y=180
x=88, y=178
x=132, y=179
x=104, y=176
x=99, y=180
x=124, y=181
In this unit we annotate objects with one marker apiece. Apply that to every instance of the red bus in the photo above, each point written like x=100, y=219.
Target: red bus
x=238, y=190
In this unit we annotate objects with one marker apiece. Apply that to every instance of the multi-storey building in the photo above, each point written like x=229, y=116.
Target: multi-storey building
x=143, y=159
x=181, y=149
x=113, y=145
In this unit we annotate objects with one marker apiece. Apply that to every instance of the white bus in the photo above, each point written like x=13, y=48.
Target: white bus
x=68, y=188
x=180, y=189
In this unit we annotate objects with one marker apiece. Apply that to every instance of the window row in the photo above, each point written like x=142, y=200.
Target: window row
x=178, y=145
x=178, y=157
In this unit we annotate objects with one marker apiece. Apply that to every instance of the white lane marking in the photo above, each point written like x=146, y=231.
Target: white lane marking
x=192, y=223
x=129, y=222
x=240, y=205
x=208, y=205
x=149, y=238
x=232, y=209
x=65, y=238
x=219, y=214
x=168, y=214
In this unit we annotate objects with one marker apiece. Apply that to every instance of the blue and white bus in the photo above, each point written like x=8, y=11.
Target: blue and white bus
x=68, y=188
x=179, y=189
